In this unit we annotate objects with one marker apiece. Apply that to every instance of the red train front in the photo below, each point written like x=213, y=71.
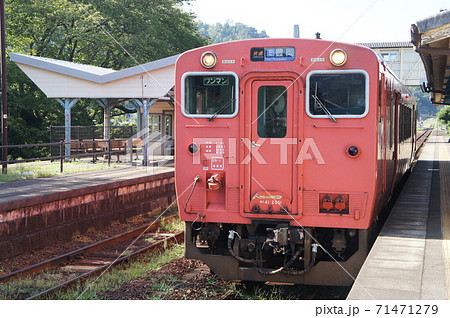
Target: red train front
x=286, y=151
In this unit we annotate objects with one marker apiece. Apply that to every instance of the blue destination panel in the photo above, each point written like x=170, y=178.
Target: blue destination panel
x=272, y=54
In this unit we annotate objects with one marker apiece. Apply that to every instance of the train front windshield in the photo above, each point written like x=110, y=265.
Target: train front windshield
x=210, y=95
x=338, y=94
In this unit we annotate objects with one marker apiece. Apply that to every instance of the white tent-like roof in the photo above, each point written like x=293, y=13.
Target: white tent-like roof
x=61, y=79
x=68, y=81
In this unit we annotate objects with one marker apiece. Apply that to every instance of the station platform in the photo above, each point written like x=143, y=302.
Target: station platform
x=40, y=212
x=33, y=188
x=410, y=259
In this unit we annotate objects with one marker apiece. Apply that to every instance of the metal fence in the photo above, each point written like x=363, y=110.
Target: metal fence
x=80, y=133
x=84, y=149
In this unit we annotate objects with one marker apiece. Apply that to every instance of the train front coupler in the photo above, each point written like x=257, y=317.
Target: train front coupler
x=272, y=250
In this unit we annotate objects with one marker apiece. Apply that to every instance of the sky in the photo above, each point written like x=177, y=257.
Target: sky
x=352, y=21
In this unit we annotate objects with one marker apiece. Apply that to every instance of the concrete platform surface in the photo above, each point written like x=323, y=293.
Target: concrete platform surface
x=410, y=258
x=33, y=188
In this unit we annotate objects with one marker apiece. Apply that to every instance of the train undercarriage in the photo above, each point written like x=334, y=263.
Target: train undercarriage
x=277, y=252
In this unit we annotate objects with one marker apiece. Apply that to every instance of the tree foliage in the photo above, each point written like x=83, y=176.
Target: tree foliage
x=108, y=33
x=219, y=33
x=426, y=109
x=444, y=116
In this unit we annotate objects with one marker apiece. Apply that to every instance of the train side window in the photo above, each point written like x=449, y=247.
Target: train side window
x=344, y=94
x=272, y=111
x=209, y=95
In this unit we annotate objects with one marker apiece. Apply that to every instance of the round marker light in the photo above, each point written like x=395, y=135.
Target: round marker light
x=193, y=148
x=208, y=59
x=353, y=151
x=338, y=57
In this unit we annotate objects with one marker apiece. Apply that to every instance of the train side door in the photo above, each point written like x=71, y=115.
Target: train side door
x=272, y=146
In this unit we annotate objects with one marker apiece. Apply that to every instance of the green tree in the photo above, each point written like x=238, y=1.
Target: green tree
x=426, y=109
x=108, y=33
x=444, y=116
x=219, y=33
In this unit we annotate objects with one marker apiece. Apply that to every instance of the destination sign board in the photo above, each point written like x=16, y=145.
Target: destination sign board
x=272, y=54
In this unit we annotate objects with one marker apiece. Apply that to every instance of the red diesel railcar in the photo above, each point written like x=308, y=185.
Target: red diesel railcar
x=286, y=151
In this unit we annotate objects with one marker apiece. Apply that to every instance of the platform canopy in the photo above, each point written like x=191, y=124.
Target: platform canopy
x=147, y=85
x=61, y=79
x=431, y=38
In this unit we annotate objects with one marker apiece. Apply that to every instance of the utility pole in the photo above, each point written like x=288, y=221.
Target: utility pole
x=4, y=95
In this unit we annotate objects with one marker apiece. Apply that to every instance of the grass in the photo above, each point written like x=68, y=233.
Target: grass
x=23, y=171
x=26, y=287
x=161, y=286
x=171, y=226
x=260, y=291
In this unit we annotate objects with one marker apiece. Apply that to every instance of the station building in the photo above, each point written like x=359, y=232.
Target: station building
x=402, y=59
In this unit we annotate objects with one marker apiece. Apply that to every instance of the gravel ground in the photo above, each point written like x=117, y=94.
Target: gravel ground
x=179, y=279
x=187, y=279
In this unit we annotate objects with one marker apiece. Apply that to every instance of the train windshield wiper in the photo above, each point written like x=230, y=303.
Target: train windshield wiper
x=221, y=109
x=322, y=106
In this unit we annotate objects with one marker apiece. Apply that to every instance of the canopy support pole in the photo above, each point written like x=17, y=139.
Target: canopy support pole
x=145, y=105
x=67, y=103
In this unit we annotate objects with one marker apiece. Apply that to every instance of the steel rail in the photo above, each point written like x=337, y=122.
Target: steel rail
x=427, y=130
x=175, y=238
x=68, y=257
x=421, y=140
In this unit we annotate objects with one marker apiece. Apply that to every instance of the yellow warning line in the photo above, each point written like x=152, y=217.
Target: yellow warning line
x=444, y=175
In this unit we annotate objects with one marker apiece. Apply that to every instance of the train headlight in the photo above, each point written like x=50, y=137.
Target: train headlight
x=338, y=57
x=208, y=59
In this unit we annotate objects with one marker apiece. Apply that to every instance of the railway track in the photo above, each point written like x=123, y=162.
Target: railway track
x=420, y=141
x=96, y=258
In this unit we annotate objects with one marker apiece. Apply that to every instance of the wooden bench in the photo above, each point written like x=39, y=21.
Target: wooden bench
x=136, y=144
x=118, y=147
x=76, y=147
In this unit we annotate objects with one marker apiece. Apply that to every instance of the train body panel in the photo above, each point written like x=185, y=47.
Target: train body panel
x=272, y=135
